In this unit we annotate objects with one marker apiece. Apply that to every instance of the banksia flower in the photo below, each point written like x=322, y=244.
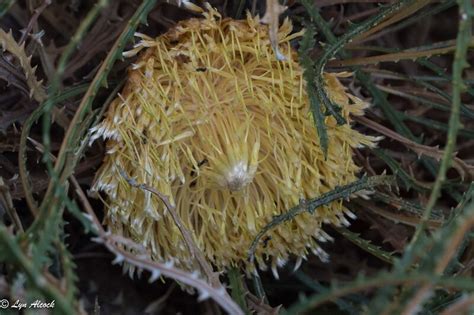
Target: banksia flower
x=212, y=119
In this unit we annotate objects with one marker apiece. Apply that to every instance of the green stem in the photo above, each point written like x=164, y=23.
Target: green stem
x=311, y=205
x=315, y=70
x=238, y=292
x=258, y=287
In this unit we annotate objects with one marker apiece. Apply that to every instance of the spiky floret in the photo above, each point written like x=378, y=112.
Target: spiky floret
x=211, y=118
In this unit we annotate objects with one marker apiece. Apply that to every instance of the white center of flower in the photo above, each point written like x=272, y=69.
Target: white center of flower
x=238, y=176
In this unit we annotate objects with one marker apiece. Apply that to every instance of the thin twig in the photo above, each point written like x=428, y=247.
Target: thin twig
x=6, y=200
x=34, y=19
x=188, y=238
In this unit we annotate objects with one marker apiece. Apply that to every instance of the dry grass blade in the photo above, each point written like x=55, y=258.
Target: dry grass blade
x=407, y=11
x=399, y=217
x=395, y=57
x=465, y=170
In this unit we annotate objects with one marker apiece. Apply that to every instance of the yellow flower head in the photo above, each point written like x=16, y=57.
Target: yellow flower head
x=211, y=118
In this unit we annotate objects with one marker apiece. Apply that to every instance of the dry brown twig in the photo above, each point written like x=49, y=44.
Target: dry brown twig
x=399, y=217
x=465, y=170
x=6, y=202
x=188, y=238
x=260, y=307
x=33, y=19
x=271, y=17
x=392, y=57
